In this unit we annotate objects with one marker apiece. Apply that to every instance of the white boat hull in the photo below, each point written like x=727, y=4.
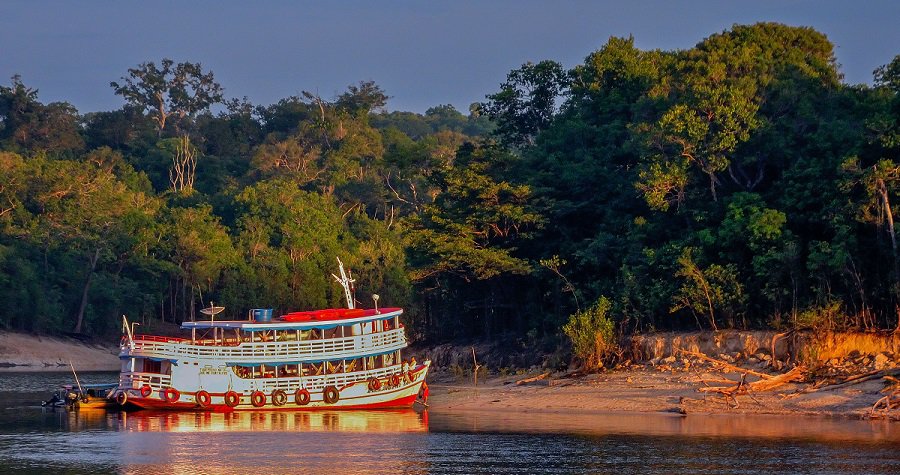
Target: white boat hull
x=183, y=391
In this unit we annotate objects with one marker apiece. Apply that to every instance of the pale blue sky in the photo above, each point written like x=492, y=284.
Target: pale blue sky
x=422, y=53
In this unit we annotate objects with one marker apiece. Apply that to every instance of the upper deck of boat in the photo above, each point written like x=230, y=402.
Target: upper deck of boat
x=303, y=321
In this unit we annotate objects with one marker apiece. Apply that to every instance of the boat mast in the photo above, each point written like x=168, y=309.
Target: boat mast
x=345, y=283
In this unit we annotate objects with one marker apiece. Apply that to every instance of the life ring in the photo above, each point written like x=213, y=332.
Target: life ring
x=146, y=390
x=203, y=399
x=232, y=399
x=302, y=397
x=410, y=376
x=395, y=380
x=330, y=395
x=279, y=397
x=171, y=395
x=258, y=399
x=376, y=384
x=122, y=398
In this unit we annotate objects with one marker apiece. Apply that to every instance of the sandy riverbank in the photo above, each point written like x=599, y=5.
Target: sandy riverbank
x=23, y=352
x=645, y=389
x=639, y=388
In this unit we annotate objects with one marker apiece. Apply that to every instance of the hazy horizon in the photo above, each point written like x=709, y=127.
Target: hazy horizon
x=421, y=54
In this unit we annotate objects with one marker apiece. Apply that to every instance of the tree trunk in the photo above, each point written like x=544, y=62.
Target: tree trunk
x=712, y=186
x=79, y=320
x=882, y=189
x=702, y=279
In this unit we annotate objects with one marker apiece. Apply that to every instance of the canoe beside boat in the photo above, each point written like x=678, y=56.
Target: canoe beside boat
x=86, y=396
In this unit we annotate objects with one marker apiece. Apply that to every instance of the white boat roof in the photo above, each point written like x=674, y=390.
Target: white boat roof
x=253, y=326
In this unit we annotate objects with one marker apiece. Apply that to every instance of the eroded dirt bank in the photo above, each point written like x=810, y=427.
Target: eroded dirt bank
x=832, y=374
x=23, y=352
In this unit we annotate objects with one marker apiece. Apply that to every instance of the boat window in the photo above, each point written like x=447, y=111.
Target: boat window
x=151, y=366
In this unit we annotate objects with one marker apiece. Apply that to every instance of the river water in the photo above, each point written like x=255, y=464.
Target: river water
x=36, y=440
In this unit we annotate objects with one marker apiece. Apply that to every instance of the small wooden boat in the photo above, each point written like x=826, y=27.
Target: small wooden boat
x=87, y=396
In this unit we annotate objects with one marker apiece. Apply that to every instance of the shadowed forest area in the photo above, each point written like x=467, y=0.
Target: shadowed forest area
x=736, y=184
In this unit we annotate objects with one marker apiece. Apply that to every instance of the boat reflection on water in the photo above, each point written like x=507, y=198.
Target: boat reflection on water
x=276, y=421
x=353, y=442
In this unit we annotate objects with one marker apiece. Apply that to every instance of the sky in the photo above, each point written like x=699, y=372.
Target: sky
x=421, y=53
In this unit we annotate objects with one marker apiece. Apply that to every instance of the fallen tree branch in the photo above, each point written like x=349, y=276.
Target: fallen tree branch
x=742, y=387
x=791, y=376
x=860, y=378
x=533, y=379
x=736, y=369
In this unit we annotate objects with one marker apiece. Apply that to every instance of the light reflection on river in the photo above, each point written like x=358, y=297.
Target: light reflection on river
x=33, y=440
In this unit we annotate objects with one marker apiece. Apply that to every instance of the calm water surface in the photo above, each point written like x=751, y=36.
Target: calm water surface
x=35, y=440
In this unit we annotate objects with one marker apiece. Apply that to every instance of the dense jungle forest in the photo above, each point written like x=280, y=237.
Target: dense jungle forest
x=737, y=184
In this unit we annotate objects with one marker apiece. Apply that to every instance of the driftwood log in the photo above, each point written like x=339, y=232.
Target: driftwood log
x=742, y=387
x=729, y=366
x=891, y=400
x=856, y=379
x=729, y=393
x=532, y=379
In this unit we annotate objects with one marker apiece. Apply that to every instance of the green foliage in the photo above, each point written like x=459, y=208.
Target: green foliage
x=827, y=317
x=28, y=125
x=526, y=102
x=592, y=333
x=170, y=90
x=711, y=290
x=737, y=183
x=471, y=228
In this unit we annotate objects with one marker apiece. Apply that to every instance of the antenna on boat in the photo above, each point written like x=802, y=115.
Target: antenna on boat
x=192, y=299
x=345, y=283
x=127, y=330
x=80, y=391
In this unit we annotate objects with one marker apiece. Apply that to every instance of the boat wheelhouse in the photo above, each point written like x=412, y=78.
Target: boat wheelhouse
x=326, y=359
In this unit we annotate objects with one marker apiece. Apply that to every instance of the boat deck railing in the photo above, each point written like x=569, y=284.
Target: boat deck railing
x=315, y=383
x=158, y=382
x=136, y=380
x=275, y=351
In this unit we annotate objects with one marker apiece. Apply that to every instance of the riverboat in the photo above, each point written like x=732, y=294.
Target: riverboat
x=345, y=358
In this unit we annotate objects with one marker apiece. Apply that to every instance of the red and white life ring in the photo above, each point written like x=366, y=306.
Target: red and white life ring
x=146, y=390
x=258, y=399
x=171, y=395
x=330, y=395
x=232, y=399
x=301, y=397
x=203, y=398
x=279, y=397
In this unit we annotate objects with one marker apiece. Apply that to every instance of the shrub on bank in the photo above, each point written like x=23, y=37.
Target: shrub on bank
x=592, y=334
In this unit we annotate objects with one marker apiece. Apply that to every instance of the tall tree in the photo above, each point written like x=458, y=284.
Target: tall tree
x=180, y=90
x=527, y=101
x=27, y=124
